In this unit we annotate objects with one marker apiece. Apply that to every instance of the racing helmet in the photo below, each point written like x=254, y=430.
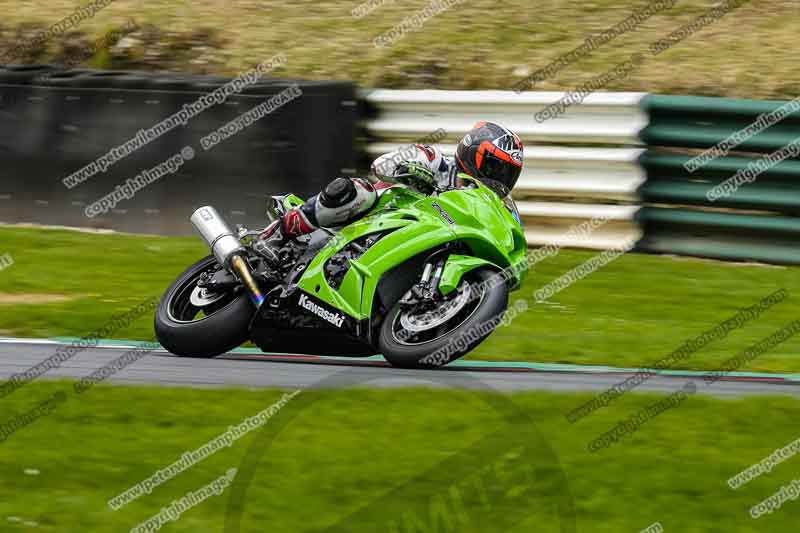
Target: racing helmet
x=491, y=154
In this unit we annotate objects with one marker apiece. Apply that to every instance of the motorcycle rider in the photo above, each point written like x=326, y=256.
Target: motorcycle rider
x=489, y=152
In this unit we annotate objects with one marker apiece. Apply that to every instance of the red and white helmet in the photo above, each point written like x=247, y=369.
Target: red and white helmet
x=492, y=154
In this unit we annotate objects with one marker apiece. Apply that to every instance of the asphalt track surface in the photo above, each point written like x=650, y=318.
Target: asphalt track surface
x=290, y=372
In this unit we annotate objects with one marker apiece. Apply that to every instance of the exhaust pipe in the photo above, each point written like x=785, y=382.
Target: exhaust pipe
x=218, y=236
x=226, y=248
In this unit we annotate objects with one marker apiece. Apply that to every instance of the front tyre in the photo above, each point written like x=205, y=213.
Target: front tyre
x=414, y=338
x=191, y=322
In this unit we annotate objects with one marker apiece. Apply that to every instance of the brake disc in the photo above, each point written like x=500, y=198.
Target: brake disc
x=449, y=308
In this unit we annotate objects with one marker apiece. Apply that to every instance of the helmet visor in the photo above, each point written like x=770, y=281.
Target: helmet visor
x=494, y=169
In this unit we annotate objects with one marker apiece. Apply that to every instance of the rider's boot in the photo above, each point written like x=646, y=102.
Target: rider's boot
x=293, y=224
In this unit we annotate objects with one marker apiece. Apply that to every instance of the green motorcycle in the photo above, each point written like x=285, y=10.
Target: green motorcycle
x=422, y=279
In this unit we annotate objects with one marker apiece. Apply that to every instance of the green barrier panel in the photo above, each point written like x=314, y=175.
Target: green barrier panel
x=777, y=189
x=724, y=221
x=761, y=198
x=769, y=232
x=671, y=166
x=660, y=103
x=732, y=236
x=728, y=249
x=702, y=122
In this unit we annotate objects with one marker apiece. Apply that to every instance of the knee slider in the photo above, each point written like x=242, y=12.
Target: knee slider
x=338, y=193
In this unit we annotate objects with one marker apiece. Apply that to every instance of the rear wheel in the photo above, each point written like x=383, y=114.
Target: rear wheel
x=418, y=337
x=193, y=322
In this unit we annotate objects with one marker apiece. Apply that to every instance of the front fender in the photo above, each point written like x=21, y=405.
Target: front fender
x=455, y=268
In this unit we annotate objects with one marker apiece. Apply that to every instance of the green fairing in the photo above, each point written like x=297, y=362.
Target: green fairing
x=292, y=200
x=477, y=218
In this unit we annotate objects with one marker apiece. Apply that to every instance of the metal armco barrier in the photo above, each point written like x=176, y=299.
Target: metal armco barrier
x=758, y=222
x=51, y=127
x=580, y=165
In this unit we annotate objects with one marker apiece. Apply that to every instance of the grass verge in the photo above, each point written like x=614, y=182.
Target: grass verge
x=632, y=312
x=748, y=53
x=375, y=460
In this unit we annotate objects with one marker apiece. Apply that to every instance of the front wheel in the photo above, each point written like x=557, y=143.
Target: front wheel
x=412, y=337
x=192, y=322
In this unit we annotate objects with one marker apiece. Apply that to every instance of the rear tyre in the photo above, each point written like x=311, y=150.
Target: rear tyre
x=432, y=339
x=190, y=322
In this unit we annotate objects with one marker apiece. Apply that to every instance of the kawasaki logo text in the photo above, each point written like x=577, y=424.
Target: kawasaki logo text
x=334, y=318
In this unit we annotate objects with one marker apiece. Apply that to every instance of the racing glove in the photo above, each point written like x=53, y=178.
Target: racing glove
x=416, y=175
